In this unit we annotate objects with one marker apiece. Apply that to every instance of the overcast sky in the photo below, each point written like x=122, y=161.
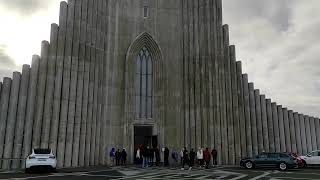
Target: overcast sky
x=278, y=42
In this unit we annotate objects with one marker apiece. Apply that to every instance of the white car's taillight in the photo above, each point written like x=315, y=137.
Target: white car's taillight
x=31, y=157
x=52, y=157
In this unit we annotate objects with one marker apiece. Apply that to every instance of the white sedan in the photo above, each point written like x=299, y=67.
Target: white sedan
x=312, y=158
x=41, y=158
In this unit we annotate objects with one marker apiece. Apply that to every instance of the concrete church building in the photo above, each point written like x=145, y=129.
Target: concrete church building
x=118, y=73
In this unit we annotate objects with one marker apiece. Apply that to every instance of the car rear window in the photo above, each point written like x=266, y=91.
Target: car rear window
x=284, y=155
x=42, y=151
x=273, y=155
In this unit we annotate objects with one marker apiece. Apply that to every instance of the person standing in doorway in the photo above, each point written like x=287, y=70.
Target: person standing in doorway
x=157, y=154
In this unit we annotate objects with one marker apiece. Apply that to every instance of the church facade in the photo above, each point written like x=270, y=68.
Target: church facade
x=119, y=73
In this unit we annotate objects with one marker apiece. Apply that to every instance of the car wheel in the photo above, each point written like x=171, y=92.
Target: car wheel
x=283, y=166
x=27, y=170
x=249, y=165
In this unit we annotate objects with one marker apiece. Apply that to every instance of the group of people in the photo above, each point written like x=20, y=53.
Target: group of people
x=118, y=157
x=203, y=157
x=146, y=156
x=149, y=156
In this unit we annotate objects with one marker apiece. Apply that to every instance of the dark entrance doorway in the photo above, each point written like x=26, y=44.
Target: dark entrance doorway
x=143, y=136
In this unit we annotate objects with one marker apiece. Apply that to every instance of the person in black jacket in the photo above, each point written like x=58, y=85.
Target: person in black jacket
x=166, y=156
x=192, y=156
x=185, y=158
x=123, y=157
x=157, y=154
x=118, y=157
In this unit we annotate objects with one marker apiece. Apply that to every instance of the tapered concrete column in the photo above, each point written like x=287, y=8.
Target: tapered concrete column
x=73, y=84
x=51, y=65
x=270, y=126
x=11, y=121
x=253, y=119
x=281, y=129
x=21, y=114
x=31, y=101
x=67, y=63
x=259, y=120
x=317, y=128
x=313, y=133
x=276, y=128
x=80, y=115
x=0, y=89
x=58, y=77
x=4, y=105
x=292, y=131
x=242, y=119
x=303, y=134
x=247, y=114
x=42, y=78
x=287, y=129
x=308, y=133
x=264, y=120
x=297, y=132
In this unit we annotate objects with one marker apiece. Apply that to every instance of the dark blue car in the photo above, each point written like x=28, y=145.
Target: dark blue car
x=282, y=161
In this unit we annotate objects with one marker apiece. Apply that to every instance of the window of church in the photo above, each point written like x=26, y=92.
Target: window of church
x=145, y=11
x=144, y=85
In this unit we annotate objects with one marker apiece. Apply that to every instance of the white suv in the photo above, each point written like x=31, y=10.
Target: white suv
x=41, y=158
x=312, y=158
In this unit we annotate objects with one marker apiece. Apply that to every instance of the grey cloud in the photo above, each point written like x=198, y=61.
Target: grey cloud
x=278, y=42
x=25, y=6
x=7, y=64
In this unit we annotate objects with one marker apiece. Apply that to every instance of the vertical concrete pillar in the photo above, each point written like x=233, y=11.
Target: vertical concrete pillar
x=41, y=89
x=276, y=128
x=303, y=134
x=95, y=86
x=292, y=131
x=48, y=104
x=313, y=134
x=4, y=105
x=31, y=102
x=297, y=132
x=247, y=114
x=264, y=119
x=235, y=107
x=11, y=121
x=79, y=127
x=67, y=63
x=308, y=133
x=242, y=119
x=317, y=128
x=259, y=121
x=281, y=129
x=287, y=129
x=58, y=77
x=253, y=119
x=90, y=86
x=270, y=126
x=21, y=114
x=73, y=84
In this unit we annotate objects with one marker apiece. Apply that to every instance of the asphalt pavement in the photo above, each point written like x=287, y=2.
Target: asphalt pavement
x=133, y=172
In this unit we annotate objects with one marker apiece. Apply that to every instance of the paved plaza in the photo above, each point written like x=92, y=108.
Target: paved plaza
x=230, y=173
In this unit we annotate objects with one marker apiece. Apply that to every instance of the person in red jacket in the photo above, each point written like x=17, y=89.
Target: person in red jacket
x=207, y=157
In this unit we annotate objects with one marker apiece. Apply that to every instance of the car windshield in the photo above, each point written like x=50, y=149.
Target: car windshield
x=42, y=151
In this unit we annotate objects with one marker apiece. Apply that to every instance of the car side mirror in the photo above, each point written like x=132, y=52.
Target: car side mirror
x=309, y=155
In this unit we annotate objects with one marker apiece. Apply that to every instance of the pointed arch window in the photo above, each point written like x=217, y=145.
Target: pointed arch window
x=144, y=85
